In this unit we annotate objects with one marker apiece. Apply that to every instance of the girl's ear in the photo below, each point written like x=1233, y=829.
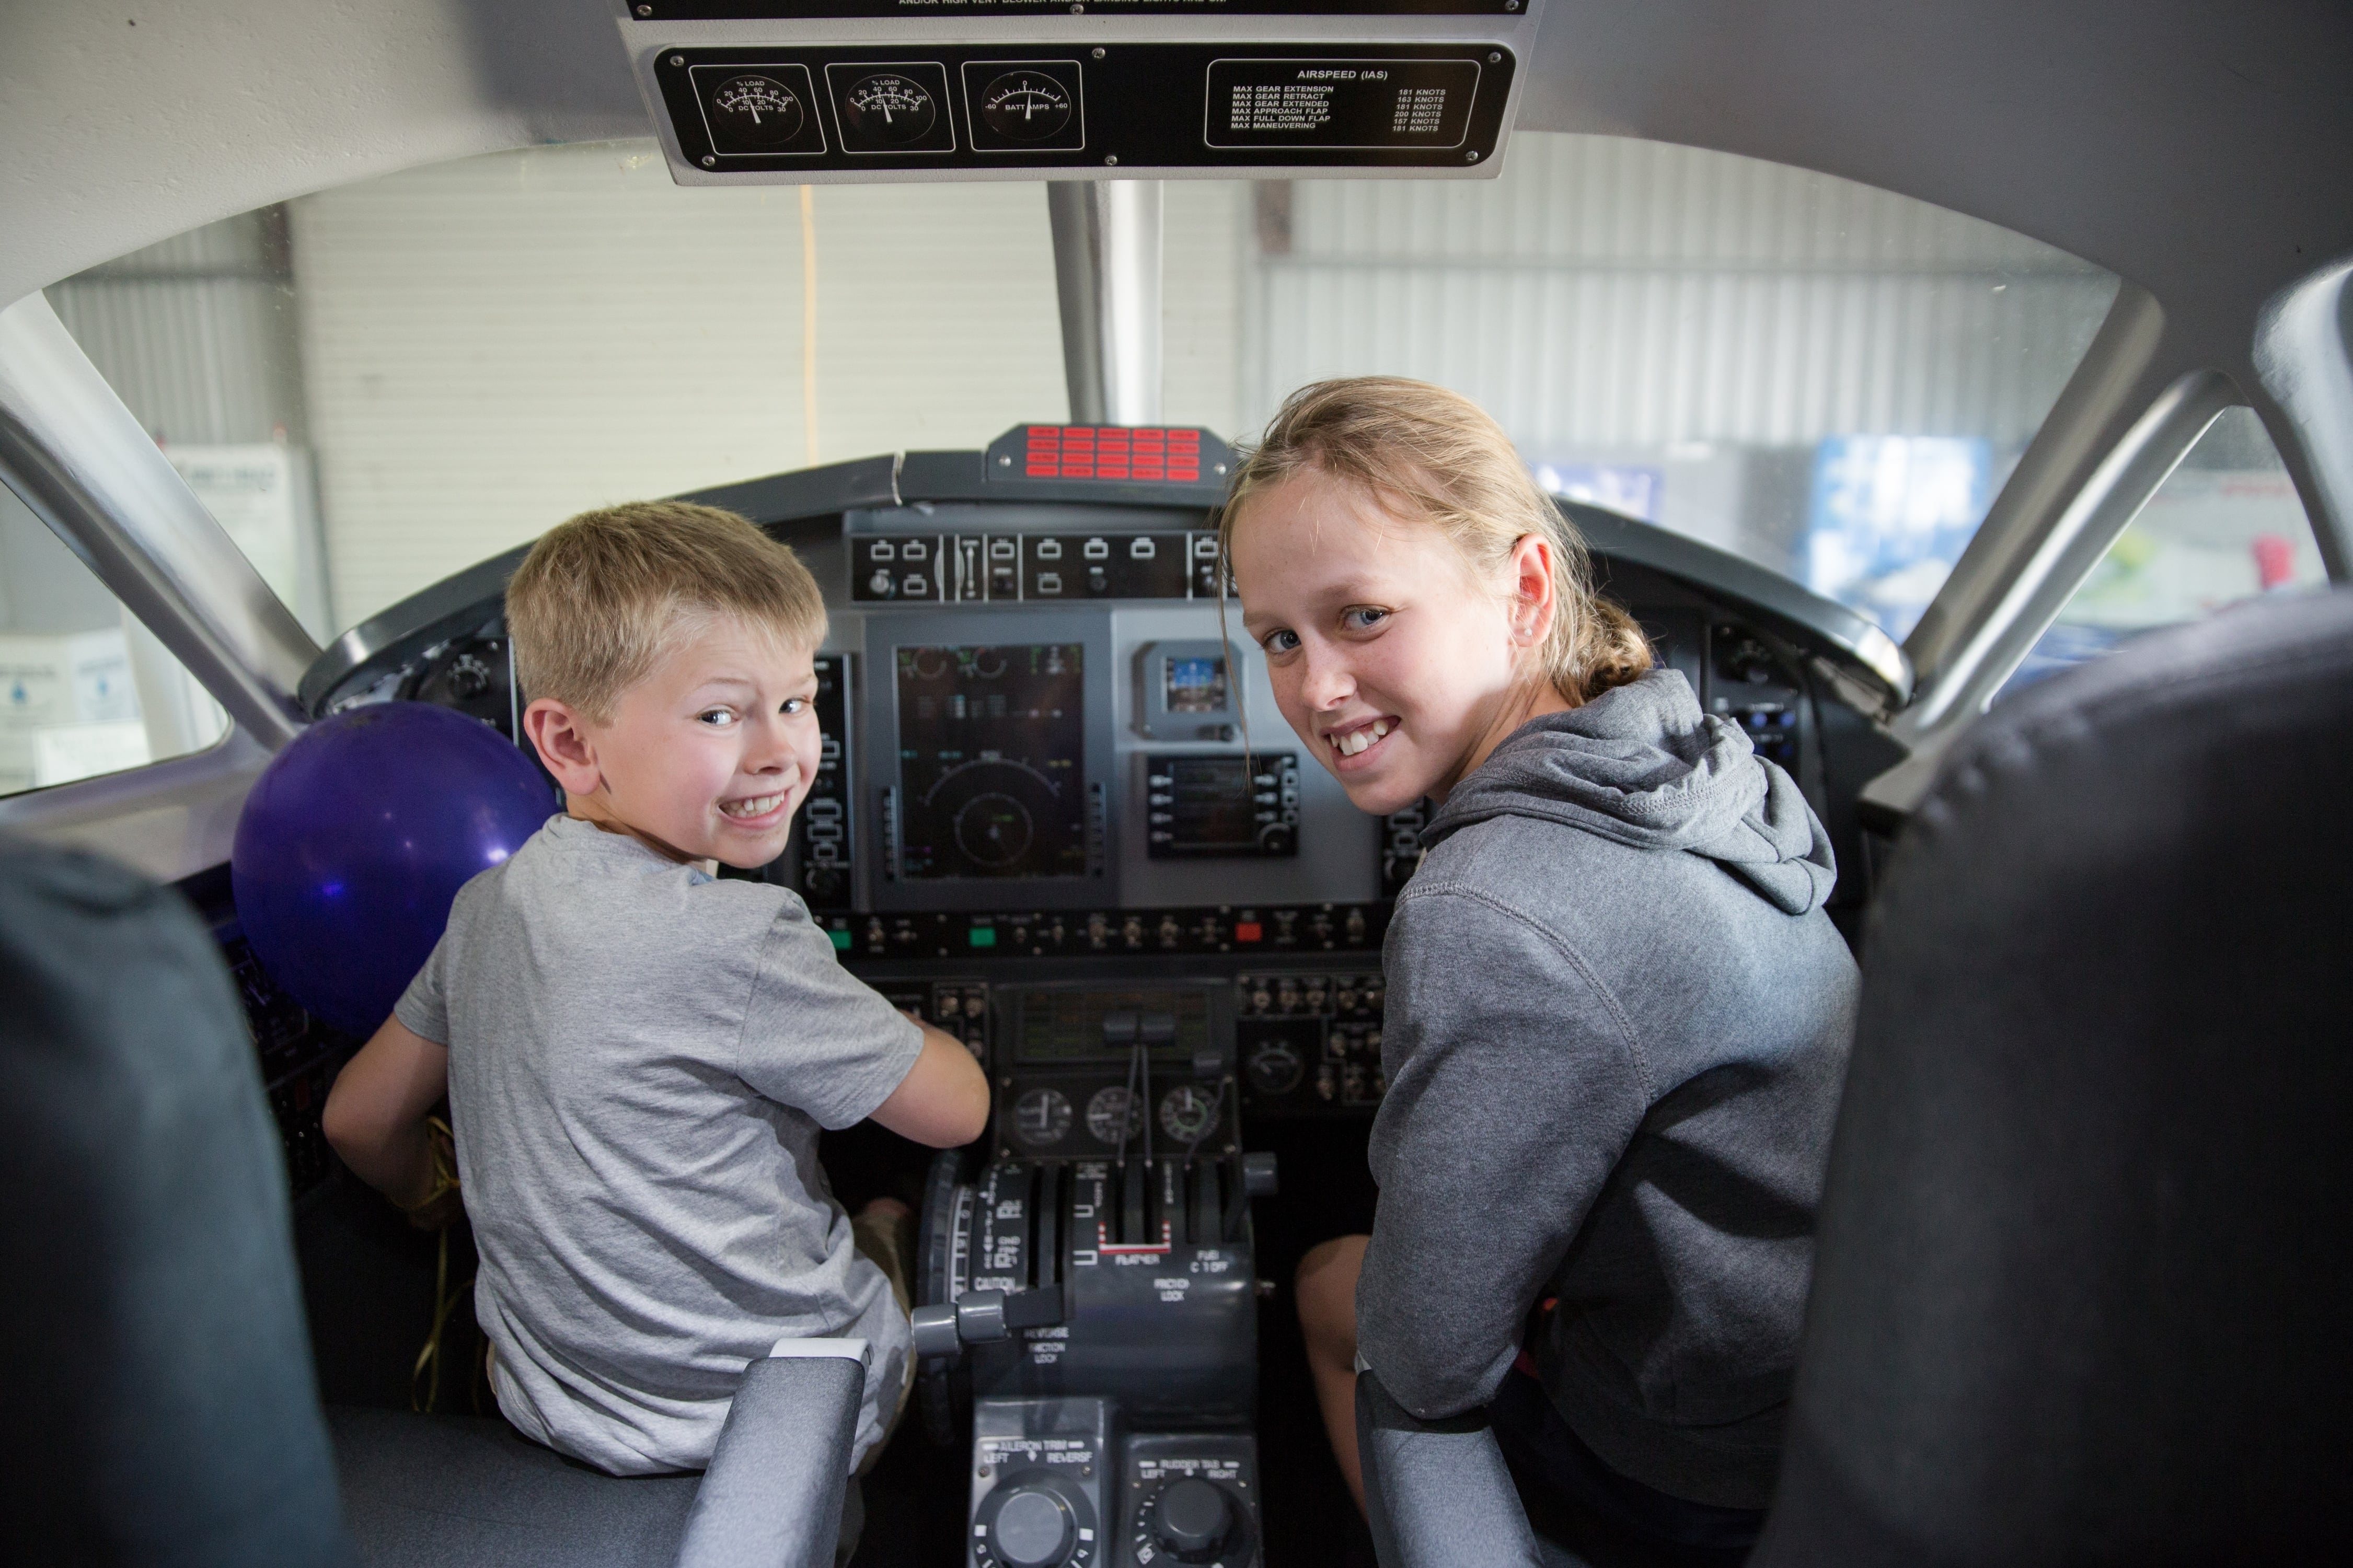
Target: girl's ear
x=560, y=734
x=1533, y=603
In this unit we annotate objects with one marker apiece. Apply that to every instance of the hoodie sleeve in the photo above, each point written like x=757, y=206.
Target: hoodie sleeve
x=1515, y=1082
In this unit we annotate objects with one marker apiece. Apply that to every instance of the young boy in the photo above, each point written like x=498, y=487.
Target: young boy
x=638, y=1056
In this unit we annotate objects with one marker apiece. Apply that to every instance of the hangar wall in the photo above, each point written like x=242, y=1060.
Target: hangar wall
x=477, y=349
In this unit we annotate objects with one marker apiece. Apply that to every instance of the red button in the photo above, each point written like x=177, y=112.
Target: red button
x=1044, y=432
x=1249, y=930
x=1040, y=470
x=1078, y=470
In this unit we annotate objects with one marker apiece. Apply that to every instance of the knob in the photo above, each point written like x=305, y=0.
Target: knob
x=1033, y=1530
x=1192, y=1518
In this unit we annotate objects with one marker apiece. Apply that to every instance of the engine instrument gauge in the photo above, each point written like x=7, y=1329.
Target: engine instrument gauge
x=1025, y=106
x=758, y=110
x=1276, y=1068
x=889, y=108
x=1112, y=1115
x=1041, y=1118
x=1188, y=1113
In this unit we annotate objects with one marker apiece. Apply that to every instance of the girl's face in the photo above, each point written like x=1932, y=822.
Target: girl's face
x=1395, y=662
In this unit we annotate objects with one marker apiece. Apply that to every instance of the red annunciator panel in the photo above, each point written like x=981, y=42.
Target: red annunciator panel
x=1141, y=452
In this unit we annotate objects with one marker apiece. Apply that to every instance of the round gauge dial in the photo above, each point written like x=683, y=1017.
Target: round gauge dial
x=993, y=829
x=1111, y=1116
x=1188, y=1113
x=887, y=107
x=1025, y=106
x=1041, y=1117
x=1276, y=1068
x=760, y=111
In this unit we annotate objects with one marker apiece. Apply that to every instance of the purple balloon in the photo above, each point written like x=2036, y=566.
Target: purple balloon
x=356, y=838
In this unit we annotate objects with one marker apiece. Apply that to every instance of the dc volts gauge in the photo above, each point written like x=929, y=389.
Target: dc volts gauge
x=758, y=112
x=890, y=108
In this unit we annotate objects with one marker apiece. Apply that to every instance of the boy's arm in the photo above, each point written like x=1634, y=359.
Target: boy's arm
x=374, y=1115
x=943, y=1100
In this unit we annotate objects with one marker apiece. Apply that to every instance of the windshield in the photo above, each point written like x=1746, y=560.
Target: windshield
x=1831, y=380
x=381, y=385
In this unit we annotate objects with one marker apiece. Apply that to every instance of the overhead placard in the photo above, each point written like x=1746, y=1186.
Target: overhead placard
x=1352, y=105
x=984, y=10
x=1144, y=108
x=772, y=92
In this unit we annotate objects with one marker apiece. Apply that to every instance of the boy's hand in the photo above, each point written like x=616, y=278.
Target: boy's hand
x=943, y=1100
x=443, y=1205
x=375, y=1115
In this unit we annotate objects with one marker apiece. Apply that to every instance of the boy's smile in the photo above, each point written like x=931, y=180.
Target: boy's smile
x=707, y=758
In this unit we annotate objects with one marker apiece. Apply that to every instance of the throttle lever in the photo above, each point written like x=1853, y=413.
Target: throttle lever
x=982, y=1317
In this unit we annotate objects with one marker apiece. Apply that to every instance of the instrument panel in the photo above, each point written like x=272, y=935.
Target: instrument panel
x=1046, y=758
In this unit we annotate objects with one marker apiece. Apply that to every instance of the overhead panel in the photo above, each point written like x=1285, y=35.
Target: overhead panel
x=811, y=92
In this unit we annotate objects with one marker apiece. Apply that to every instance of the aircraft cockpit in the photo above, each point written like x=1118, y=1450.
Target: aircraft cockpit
x=1884, y=383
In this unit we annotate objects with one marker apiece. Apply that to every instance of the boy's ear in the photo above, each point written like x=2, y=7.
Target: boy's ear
x=560, y=735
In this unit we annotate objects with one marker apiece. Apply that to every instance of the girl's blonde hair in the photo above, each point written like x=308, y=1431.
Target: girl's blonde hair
x=1428, y=454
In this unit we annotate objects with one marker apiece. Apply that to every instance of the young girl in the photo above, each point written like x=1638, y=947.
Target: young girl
x=1618, y=1016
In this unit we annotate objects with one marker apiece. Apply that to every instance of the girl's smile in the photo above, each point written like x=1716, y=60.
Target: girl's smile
x=1389, y=653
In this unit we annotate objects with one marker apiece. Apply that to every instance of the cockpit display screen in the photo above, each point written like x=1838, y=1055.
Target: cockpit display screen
x=1194, y=685
x=992, y=762
x=1091, y=1025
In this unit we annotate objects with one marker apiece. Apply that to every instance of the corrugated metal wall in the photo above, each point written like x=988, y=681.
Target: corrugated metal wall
x=1609, y=294
x=197, y=335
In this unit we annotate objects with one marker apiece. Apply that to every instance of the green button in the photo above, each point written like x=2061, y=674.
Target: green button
x=982, y=936
x=841, y=939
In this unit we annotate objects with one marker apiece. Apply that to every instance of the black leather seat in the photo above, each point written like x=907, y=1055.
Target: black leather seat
x=2085, y=1287
x=2085, y=1290
x=160, y=1398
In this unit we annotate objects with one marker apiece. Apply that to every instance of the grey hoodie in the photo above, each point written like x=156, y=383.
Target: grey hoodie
x=1617, y=1027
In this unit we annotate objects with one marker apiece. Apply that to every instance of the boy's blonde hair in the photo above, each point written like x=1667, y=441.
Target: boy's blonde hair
x=602, y=597
x=1423, y=452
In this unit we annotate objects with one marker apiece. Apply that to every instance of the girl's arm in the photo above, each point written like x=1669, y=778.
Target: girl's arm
x=1514, y=1088
x=943, y=1100
x=375, y=1114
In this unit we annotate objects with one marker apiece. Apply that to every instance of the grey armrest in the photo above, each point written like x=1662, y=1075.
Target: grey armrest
x=772, y=1495
x=1436, y=1492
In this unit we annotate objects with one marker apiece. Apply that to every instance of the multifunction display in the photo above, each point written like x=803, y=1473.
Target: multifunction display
x=1204, y=806
x=1340, y=104
x=992, y=763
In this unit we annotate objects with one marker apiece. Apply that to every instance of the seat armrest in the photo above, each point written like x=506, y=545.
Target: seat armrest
x=772, y=1495
x=1437, y=1493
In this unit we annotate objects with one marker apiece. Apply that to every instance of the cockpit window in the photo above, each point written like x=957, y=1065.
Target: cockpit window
x=85, y=688
x=1829, y=379
x=2225, y=527
x=380, y=385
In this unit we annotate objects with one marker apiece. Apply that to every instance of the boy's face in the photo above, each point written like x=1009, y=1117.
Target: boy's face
x=707, y=758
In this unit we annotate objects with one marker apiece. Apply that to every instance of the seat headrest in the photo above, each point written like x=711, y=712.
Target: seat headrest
x=2085, y=1287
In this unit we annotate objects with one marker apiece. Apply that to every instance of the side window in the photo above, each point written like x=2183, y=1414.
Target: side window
x=85, y=688
x=2225, y=527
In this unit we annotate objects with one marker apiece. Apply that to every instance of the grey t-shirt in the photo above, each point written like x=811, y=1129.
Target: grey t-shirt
x=639, y=1060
